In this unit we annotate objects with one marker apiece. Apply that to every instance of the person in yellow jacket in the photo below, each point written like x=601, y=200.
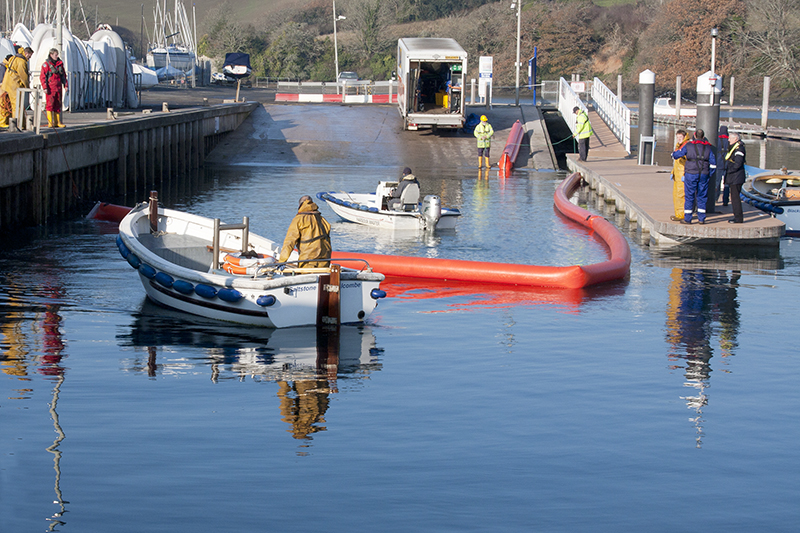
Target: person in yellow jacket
x=5, y=101
x=16, y=77
x=678, y=169
x=583, y=130
x=483, y=132
x=310, y=233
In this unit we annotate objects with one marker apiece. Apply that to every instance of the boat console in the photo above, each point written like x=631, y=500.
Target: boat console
x=384, y=193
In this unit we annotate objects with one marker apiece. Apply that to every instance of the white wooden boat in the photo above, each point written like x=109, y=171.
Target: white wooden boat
x=197, y=265
x=662, y=107
x=374, y=209
x=776, y=192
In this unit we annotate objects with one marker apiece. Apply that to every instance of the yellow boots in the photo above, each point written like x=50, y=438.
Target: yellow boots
x=54, y=120
x=480, y=162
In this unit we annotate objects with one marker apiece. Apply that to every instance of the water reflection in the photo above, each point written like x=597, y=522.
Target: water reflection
x=32, y=342
x=702, y=306
x=463, y=296
x=308, y=364
x=56, y=520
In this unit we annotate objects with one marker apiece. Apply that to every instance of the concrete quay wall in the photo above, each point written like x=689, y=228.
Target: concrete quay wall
x=57, y=173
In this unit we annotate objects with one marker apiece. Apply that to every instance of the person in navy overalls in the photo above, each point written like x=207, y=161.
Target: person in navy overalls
x=700, y=162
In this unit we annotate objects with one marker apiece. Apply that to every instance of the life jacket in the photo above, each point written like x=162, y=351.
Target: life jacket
x=54, y=69
x=698, y=152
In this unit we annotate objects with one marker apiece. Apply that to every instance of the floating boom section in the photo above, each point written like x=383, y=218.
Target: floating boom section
x=569, y=277
x=511, y=150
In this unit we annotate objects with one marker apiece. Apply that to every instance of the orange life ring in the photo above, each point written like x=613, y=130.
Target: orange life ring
x=238, y=260
x=236, y=269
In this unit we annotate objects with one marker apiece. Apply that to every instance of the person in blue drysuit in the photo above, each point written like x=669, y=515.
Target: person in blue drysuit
x=700, y=163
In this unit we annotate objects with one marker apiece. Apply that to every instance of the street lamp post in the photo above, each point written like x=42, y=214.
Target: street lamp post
x=335, y=44
x=518, y=5
x=714, y=34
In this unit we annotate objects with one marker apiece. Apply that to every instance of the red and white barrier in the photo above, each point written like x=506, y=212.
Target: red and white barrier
x=337, y=98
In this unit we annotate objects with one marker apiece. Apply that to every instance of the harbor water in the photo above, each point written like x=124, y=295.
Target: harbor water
x=664, y=402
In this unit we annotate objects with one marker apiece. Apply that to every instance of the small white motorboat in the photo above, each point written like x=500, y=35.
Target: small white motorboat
x=776, y=192
x=198, y=265
x=662, y=107
x=375, y=209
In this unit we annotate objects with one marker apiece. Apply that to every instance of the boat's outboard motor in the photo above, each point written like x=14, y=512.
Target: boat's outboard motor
x=431, y=210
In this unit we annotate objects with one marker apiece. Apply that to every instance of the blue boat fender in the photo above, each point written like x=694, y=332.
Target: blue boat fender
x=133, y=260
x=123, y=250
x=266, y=300
x=377, y=294
x=206, y=291
x=183, y=287
x=147, y=271
x=164, y=279
x=229, y=295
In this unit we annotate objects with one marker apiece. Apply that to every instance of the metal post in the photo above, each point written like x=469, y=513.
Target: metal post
x=619, y=86
x=472, y=92
x=60, y=30
x=535, y=60
x=519, y=7
x=713, y=49
x=709, y=89
x=678, y=97
x=647, y=84
x=336, y=44
x=730, y=102
x=765, y=103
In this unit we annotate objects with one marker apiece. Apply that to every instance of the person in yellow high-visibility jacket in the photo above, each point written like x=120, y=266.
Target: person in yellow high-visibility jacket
x=583, y=130
x=483, y=132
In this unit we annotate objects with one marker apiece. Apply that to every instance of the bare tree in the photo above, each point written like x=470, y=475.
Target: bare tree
x=771, y=39
x=369, y=19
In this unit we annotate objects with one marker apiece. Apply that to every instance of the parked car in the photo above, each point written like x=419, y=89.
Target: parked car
x=347, y=76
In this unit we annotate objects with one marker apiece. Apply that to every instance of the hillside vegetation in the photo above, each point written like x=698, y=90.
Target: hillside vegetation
x=294, y=38
x=670, y=37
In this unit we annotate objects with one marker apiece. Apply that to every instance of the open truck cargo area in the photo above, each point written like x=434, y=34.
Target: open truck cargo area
x=431, y=74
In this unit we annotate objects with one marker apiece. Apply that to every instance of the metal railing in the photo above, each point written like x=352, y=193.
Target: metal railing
x=614, y=113
x=567, y=100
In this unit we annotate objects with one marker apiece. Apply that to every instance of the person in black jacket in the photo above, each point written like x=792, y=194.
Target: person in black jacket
x=735, y=159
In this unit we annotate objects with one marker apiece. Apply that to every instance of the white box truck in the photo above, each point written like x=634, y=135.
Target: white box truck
x=430, y=89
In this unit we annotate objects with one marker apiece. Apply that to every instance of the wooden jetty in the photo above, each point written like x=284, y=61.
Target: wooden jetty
x=644, y=194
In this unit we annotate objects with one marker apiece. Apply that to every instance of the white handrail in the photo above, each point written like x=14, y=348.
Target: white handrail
x=614, y=113
x=567, y=101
